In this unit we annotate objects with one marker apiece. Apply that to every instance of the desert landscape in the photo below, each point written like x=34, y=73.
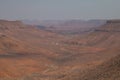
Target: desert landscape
x=59, y=39
x=29, y=52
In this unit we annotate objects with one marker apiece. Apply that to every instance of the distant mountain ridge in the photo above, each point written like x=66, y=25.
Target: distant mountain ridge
x=67, y=26
x=64, y=23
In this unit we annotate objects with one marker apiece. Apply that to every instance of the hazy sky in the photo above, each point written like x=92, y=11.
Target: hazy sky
x=59, y=9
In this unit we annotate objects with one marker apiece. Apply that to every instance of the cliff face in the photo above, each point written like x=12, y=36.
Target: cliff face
x=113, y=21
x=105, y=36
x=8, y=44
x=9, y=25
x=110, y=26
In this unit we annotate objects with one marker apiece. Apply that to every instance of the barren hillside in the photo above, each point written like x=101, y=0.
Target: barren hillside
x=106, y=37
x=29, y=53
